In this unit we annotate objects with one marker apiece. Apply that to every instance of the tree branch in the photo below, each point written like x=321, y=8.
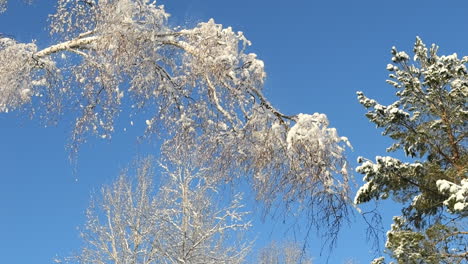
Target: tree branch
x=67, y=45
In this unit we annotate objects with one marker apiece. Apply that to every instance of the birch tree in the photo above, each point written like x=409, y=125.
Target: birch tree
x=181, y=222
x=199, y=90
x=428, y=122
x=283, y=253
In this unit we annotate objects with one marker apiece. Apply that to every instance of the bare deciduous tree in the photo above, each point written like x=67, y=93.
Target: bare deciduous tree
x=285, y=253
x=180, y=223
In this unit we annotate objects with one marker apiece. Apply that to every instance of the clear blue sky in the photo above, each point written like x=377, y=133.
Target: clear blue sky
x=317, y=55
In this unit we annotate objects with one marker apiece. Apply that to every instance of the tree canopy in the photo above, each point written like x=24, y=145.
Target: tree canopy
x=202, y=88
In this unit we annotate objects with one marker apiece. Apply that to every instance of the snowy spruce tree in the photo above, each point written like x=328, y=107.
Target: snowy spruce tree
x=428, y=122
x=198, y=89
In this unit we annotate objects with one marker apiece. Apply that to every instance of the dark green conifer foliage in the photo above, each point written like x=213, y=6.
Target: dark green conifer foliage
x=429, y=123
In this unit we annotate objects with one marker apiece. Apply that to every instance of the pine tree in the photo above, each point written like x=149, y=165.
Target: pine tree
x=429, y=123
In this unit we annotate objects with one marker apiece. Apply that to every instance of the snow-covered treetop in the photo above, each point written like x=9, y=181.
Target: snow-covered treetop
x=428, y=122
x=432, y=92
x=429, y=117
x=203, y=88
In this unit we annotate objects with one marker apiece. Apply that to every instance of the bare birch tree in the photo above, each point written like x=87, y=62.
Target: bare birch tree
x=283, y=253
x=202, y=90
x=180, y=223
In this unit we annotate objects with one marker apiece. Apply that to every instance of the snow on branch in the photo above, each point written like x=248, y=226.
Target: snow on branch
x=200, y=89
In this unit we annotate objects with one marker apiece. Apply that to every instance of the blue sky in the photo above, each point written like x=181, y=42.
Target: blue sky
x=317, y=55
